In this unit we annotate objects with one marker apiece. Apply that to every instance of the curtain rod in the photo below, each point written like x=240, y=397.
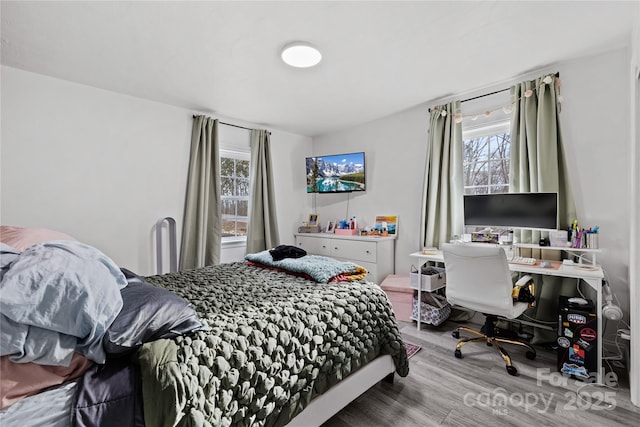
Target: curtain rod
x=486, y=94
x=229, y=124
x=492, y=93
x=235, y=126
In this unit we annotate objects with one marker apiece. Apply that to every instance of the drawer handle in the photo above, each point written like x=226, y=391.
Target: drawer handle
x=324, y=246
x=368, y=252
x=336, y=248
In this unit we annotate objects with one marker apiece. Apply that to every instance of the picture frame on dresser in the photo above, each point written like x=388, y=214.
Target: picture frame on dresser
x=313, y=219
x=386, y=225
x=331, y=226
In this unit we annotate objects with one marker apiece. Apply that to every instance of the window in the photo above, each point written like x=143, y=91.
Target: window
x=485, y=159
x=234, y=175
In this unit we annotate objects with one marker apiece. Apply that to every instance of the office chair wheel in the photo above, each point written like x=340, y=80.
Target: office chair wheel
x=531, y=355
x=512, y=370
x=457, y=354
x=455, y=334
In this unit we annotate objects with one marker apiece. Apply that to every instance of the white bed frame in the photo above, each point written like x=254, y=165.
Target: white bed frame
x=319, y=410
x=340, y=395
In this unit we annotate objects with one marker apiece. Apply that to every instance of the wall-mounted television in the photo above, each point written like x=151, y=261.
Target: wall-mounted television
x=519, y=210
x=337, y=173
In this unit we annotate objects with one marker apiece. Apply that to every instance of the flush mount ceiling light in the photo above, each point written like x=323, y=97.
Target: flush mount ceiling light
x=301, y=55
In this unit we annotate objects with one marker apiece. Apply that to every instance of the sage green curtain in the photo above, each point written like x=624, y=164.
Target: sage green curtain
x=262, y=231
x=202, y=225
x=442, y=205
x=538, y=164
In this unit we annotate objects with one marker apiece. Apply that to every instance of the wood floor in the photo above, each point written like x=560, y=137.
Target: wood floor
x=476, y=390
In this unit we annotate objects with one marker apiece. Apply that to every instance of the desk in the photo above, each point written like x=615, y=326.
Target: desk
x=591, y=274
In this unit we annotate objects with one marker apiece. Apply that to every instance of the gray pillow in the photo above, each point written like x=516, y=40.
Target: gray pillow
x=148, y=313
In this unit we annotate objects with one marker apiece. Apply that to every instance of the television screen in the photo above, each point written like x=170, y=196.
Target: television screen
x=336, y=173
x=519, y=210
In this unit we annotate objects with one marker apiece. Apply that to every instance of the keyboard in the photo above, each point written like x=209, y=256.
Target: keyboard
x=522, y=260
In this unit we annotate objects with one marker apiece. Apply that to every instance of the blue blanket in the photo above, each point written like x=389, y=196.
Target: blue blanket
x=319, y=268
x=58, y=298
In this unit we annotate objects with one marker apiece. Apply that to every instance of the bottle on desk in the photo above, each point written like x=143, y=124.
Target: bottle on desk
x=509, y=240
x=508, y=250
x=506, y=241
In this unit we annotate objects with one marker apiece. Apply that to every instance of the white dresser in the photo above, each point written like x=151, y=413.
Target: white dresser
x=376, y=254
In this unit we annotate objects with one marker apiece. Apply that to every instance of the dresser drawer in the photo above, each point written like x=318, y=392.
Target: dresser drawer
x=377, y=255
x=372, y=270
x=353, y=250
x=314, y=245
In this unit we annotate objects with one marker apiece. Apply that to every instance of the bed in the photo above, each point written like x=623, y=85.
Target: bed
x=270, y=349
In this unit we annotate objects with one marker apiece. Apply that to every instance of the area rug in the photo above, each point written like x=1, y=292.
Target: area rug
x=411, y=349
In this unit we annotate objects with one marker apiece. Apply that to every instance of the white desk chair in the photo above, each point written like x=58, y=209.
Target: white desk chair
x=478, y=278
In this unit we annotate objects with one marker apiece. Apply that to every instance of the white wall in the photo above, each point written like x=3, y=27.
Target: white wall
x=395, y=151
x=104, y=167
x=596, y=130
x=595, y=127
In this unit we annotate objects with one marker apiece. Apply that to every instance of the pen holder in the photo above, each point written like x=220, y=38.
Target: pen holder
x=592, y=240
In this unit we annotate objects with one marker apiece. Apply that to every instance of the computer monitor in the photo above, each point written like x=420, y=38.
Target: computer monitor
x=516, y=210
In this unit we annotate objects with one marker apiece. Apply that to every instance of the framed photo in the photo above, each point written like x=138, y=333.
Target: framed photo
x=313, y=219
x=331, y=226
x=386, y=225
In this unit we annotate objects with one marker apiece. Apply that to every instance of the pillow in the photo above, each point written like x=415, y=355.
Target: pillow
x=20, y=380
x=24, y=237
x=58, y=297
x=148, y=313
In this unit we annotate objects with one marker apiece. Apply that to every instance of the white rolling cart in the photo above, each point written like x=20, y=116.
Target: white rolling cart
x=425, y=287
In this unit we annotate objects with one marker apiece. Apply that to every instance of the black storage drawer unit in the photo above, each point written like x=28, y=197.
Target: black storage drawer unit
x=577, y=339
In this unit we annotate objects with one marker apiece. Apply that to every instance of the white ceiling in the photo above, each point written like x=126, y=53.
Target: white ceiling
x=378, y=57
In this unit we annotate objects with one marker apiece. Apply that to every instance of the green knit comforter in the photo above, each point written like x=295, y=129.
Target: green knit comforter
x=274, y=342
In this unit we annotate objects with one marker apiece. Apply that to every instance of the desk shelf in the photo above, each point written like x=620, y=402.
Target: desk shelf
x=557, y=248
x=592, y=252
